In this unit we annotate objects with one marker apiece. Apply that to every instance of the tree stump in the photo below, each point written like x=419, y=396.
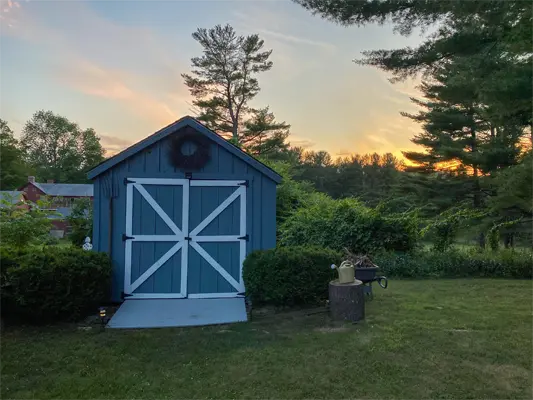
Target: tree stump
x=347, y=301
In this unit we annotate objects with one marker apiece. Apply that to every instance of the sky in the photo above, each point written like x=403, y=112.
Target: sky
x=116, y=66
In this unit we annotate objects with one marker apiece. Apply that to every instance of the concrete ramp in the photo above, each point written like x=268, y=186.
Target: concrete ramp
x=161, y=313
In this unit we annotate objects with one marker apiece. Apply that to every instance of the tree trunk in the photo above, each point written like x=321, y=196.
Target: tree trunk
x=482, y=240
x=508, y=240
x=477, y=187
x=347, y=301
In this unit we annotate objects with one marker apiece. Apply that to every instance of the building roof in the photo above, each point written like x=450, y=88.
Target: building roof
x=12, y=196
x=179, y=124
x=61, y=213
x=66, y=189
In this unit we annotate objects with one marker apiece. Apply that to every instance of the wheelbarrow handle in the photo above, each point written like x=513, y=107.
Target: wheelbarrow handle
x=383, y=281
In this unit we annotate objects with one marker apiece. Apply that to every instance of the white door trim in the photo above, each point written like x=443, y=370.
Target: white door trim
x=238, y=192
x=211, y=295
x=179, y=236
x=210, y=182
x=128, y=245
x=156, y=238
x=217, y=266
x=221, y=238
x=135, y=296
x=157, y=208
x=155, y=266
x=159, y=181
x=185, y=248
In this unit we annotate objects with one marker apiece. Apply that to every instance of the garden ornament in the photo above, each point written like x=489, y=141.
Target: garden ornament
x=346, y=272
x=87, y=245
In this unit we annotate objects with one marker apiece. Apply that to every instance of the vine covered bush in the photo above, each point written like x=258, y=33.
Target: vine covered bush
x=346, y=223
x=288, y=276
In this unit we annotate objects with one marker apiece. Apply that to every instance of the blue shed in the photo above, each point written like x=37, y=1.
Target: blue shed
x=178, y=228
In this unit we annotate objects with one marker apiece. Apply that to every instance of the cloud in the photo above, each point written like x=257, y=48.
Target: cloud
x=282, y=36
x=127, y=65
x=299, y=141
x=343, y=153
x=296, y=39
x=114, y=141
x=93, y=80
x=379, y=140
x=9, y=13
x=113, y=144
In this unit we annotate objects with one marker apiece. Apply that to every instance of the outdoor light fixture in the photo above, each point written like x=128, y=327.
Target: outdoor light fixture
x=102, y=314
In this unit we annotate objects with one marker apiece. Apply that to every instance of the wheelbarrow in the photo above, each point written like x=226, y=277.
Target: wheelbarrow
x=368, y=276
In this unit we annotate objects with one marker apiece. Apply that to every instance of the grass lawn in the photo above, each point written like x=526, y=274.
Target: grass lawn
x=421, y=339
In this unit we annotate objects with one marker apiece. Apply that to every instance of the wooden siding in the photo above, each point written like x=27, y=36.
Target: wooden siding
x=153, y=162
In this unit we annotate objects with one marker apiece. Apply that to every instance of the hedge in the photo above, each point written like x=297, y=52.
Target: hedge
x=43, y=285
x=456, y=264
x=288, y=276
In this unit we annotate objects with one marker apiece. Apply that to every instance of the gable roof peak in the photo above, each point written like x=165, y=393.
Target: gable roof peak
x=175, y=126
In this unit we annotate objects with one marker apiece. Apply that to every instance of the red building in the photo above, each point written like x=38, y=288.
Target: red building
x=62, y=197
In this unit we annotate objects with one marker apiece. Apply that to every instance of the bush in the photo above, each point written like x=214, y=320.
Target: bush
x=24, y=224
x=53, y=283
x=456, y=264
x=81, y=221
x=289, y=276
x=347, y=223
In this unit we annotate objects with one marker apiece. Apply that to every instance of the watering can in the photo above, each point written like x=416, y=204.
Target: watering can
x=346, y=272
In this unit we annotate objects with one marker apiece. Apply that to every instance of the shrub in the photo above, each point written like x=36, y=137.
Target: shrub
x=347, y=223
x=455, y=264
x=53, y=283
x=493, y=238
x=288, y=276
x=9, y=257
x=24, y=224
x=81, y=221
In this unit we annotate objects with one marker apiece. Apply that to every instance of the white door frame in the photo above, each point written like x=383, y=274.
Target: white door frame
x=183, y=237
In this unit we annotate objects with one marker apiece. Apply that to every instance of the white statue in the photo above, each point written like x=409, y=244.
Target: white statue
x=87, y=245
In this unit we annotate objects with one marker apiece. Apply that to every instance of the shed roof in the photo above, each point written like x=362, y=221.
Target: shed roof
x=66, y=189
x=181, y=123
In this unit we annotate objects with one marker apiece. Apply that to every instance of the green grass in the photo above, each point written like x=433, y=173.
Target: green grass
x=421, y=339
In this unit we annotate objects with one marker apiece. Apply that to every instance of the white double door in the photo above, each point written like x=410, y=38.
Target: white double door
x=159, y=262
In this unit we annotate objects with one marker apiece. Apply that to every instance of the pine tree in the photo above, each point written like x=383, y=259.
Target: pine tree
x=494, y=34
x=263, y=136
x=224, y=80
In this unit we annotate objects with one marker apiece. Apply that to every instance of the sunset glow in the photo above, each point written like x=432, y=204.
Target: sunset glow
x=116, y=67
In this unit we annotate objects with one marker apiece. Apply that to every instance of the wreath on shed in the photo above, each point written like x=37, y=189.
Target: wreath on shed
x=189, y=150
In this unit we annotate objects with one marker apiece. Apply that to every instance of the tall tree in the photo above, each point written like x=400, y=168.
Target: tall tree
x=511, y=203
x=13, y=169
x=223, y=80
x=58, y=149
x=459, y=130
x=265, y=137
